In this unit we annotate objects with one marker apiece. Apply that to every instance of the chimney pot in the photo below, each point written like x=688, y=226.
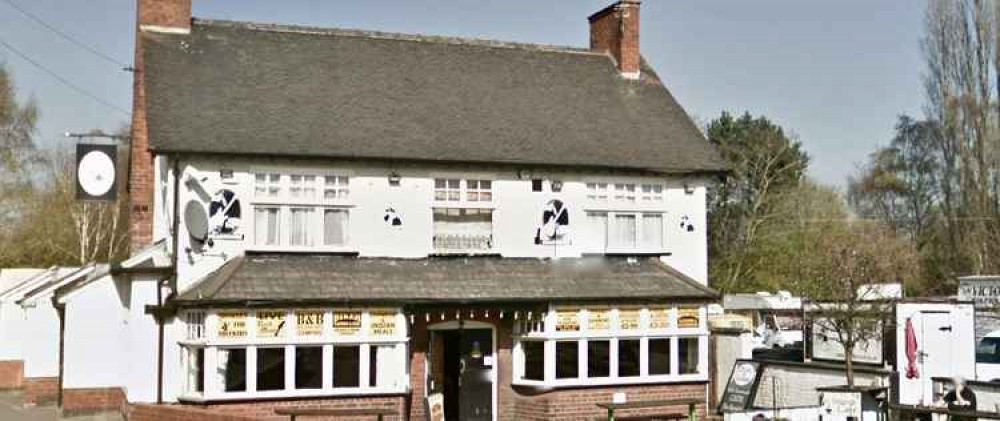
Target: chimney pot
x=615, y=30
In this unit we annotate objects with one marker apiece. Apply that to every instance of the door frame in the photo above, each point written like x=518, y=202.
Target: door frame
x=469, y=324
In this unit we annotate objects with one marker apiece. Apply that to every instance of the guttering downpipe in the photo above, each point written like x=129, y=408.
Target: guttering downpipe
x=61, y=313
x=160, y=316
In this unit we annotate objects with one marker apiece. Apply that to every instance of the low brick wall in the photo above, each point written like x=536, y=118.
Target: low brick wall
x=40, y=390
x=11, y=374
x=264, y=409
x=91, y=400
x=581, y=403
x=147, y=412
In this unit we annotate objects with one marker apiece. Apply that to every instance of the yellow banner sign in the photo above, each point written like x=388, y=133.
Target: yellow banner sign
x=567, y=320
x=270, y=323
x=659, y=318
x=599, y=319
x=309, y=322
x=346, y=322
x=628, y=319
x=383, y=323
x=688, y=317
x=232, y=324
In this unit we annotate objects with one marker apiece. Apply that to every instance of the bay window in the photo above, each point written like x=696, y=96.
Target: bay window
x=300, y=211
x=305, y=352
x=601, y=346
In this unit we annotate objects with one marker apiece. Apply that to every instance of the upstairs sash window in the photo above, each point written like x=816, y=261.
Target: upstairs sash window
x=300, y=211
x=456, y=191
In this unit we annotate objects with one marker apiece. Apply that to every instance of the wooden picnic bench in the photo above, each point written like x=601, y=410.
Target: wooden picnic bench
x=380, y=413
x=692, y=414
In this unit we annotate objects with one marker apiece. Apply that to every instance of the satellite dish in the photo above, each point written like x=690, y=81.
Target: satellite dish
x=196, y=220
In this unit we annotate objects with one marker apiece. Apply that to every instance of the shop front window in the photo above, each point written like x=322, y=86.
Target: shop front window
x=309, y=367
x=233, y=364
x=346, y=366
x=567, y=359
x=534, y=360
x=270, y=368
x=628, y=358
x=687, y=351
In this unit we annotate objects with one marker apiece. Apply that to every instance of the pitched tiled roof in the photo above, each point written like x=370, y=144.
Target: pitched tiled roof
x=289, y=278
x=230, y=87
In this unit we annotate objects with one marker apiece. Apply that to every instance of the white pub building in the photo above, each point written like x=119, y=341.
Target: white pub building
x=364, y=219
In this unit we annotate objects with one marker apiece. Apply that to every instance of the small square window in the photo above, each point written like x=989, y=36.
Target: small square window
x=536, y=185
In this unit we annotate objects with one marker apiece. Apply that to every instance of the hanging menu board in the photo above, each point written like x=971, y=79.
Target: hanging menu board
x=382, y=323
x=688, y=317
x=568, y=320
x=309, y=322
x=628, y=319
x=270, y=323
x=598, y=319
x=659, y=318
x=740, y=387
x=346, y=322
x=232, y=324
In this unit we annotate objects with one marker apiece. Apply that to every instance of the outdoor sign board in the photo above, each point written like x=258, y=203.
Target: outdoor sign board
x=567, y=320
x=232, y=324
x=659, y=318
x=688, y=317
x=435, y=403
x=984, y=291
x=270, y=323
x=383, y=323
x=309, y=322
x=598, y=319
x=346, y=322
x=824, y=346
x=739, y=390
x=628, y=319
x=95, y=172
x=842, y=404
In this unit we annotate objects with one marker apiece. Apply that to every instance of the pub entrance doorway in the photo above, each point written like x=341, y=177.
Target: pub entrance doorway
x=462, y=367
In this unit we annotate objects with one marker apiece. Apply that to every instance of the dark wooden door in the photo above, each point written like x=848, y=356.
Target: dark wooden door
x=475, y=377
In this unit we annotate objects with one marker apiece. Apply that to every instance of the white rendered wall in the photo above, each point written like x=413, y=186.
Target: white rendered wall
x=39, y=335
x=96, y=345
x=12, y=317
x=517, y=210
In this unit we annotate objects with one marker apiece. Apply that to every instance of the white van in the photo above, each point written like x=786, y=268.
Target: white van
x=988, y=357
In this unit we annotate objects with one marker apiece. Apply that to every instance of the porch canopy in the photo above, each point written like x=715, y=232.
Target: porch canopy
x=273, y=279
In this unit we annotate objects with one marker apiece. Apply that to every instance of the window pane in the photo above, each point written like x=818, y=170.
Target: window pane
x=597, y=223
x=266, y=226
x=659, y=356
x=567, y=360
x=334, y=227
x=598, y=358
x=463, y=229
x=687, y=350
x=534, y=360
x=628, y=358
x=299, y=229
x=270, y=368
x=346, y=366
x=196, y=370
x=652, y=230
x=382, y=366
x=309, y=367
x=233, y=364
x=624, y=231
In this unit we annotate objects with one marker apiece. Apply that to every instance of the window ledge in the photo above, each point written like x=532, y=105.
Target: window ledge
x=576, y=383
x=293, y=394
x=280, y=249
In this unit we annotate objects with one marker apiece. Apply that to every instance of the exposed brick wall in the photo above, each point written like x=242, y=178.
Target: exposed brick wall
x=609, y=34
x=11, y=374
x=165, y=14
x=264, y=409
x=90, y=400
x=40, y=390
x=581, y=403
x=144, y=412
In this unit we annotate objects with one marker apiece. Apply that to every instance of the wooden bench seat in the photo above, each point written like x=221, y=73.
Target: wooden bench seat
x=690, y=403
x=294, y=413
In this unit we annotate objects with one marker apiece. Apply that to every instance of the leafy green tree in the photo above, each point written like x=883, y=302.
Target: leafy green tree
x=765, y=164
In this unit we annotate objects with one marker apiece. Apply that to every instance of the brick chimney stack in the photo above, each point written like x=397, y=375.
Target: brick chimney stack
x=171, y=16
x=615, y=30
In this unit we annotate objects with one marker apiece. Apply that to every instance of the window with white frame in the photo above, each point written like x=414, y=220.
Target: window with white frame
x=452, y=191
x=651, y=192
x=463, y=230
x=297, y=353
x=300, y=211
x=624, y=192
x=597, y=192
x=625, y=231
x=626, y=345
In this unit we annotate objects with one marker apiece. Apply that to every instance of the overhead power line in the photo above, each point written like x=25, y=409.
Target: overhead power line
x=64, y=35
x=63, y=80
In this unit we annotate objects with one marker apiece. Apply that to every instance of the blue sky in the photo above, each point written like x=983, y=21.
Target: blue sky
x=836, y=74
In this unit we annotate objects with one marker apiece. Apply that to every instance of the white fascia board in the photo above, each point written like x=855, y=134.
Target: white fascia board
x=29, y=300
